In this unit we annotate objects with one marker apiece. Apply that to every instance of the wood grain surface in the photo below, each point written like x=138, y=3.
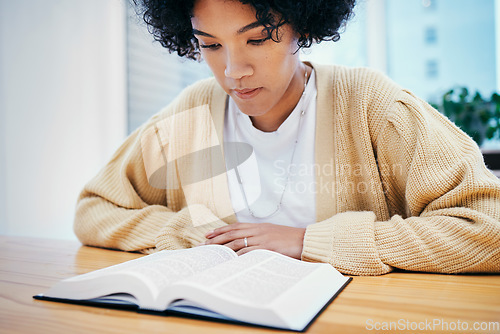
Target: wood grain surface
x=399, y=302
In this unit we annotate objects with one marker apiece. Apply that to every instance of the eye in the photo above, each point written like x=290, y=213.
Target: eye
x=258, y=41
x=214, y=46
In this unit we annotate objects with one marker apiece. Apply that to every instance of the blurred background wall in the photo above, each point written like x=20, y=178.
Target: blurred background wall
x=63, y=107
x=76, y=76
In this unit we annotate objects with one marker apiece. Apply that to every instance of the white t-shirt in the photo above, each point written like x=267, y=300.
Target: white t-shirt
x=264, y=173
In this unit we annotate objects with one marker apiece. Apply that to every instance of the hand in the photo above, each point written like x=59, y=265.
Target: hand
x=282, y=239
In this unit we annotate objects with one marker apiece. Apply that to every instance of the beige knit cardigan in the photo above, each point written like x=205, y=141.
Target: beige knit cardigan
x=398, y=185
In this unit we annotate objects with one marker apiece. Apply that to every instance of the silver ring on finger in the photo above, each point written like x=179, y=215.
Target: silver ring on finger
x=245, y=240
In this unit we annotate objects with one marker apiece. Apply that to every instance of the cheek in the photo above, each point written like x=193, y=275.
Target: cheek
x=281, y=66
x=283, y=55
x=216, y=65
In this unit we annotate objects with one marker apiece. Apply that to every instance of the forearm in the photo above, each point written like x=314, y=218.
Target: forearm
x=462, y=241
x=101, y=223
x=347, y=242
x=455, y=240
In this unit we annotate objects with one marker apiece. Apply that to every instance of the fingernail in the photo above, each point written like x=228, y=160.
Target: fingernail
x=209, y=233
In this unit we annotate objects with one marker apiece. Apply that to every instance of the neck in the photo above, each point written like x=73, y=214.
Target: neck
x=273, y=119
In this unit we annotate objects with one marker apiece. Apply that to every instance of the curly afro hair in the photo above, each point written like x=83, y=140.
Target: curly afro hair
x=169, y=21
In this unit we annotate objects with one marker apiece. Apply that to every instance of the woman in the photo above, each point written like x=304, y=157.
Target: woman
x=336, y=165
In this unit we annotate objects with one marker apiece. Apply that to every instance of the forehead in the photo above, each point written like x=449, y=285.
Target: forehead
x=229, y=15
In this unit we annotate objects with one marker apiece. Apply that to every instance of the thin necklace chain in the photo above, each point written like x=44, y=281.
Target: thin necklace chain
x=240, y=183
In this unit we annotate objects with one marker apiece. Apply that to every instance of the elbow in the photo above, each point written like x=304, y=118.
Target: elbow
x=85, y=225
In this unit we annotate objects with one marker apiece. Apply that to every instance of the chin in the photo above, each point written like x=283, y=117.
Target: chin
x=252, y=114
x=251, y=108
x=252, y=111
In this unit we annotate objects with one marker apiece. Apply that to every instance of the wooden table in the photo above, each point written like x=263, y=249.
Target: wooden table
x=368, y=304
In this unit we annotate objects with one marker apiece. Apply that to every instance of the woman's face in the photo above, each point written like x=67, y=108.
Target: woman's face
x=264, y=78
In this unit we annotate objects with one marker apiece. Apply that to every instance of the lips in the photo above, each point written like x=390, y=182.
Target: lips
x=247, y=93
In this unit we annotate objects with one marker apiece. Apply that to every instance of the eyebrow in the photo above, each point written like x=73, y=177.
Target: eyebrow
x=240, y=31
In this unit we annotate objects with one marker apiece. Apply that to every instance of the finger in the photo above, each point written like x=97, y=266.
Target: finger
x=245, y=250
x=237, y=244
x=220, y=230
x=226, y=229
x=228, y=237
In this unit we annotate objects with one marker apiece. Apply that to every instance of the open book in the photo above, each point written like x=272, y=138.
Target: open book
x=261, y=287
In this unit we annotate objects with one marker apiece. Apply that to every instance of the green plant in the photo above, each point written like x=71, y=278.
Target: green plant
x=478, y=117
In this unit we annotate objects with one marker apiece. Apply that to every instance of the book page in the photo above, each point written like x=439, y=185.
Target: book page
x=262, y=287
x=168, y=269
x=258, y=277
x=165, y=267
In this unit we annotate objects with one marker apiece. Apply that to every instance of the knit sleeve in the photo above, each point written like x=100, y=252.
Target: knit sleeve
x=120, y=208
x=445, y=204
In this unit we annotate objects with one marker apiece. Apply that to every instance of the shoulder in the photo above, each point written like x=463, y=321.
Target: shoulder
x=365, y=85
x=350, y=78
x=357, y=88
x=358, y=95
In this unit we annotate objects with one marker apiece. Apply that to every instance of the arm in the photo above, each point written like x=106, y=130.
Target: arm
x=445, y=204
x=120, y=209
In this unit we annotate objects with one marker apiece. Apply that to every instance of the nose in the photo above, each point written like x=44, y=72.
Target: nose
x=237, y=65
